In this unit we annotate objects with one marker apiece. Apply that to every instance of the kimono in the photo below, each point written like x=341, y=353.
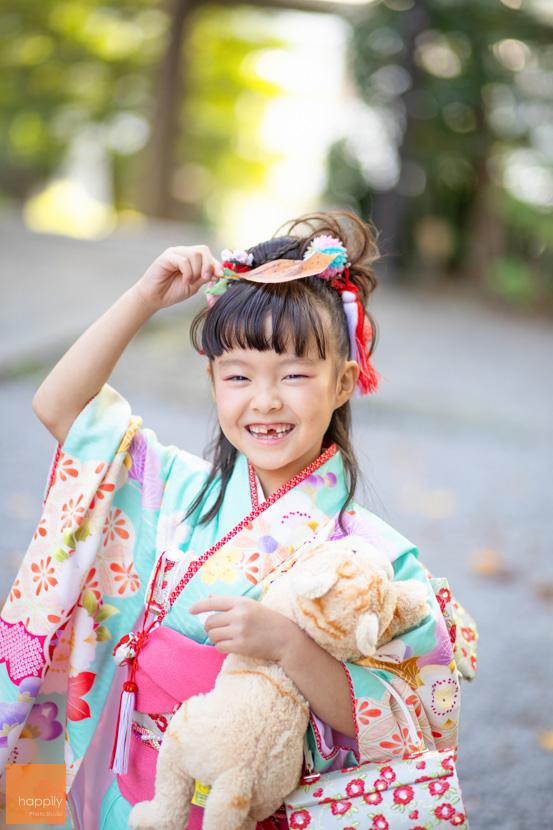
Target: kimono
x=115, y=510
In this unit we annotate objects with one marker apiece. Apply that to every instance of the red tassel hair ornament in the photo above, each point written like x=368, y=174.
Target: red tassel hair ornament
x=360, y=335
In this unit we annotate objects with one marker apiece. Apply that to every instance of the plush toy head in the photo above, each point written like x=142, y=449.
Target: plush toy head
x=344, y=597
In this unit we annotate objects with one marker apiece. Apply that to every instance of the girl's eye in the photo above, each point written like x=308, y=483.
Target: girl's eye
x=295, y=377
x=236, y=378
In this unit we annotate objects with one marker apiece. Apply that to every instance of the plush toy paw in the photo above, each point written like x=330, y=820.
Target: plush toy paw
x=146, y=816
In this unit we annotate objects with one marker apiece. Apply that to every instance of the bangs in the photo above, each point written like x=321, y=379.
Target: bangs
x=282, y=317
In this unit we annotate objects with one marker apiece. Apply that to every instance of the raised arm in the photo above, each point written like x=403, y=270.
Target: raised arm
x=172, y=278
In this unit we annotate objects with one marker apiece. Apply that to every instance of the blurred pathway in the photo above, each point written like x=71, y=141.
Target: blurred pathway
x=457, y=450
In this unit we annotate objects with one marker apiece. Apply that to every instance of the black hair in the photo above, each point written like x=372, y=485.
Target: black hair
x=303, y=313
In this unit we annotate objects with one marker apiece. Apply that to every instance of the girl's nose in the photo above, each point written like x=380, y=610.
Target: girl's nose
x=266, y=399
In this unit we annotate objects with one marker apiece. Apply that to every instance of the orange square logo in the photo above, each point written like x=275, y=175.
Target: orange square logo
x=35, y=794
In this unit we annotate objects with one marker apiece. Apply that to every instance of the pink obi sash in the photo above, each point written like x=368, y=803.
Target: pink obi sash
x=171, y=668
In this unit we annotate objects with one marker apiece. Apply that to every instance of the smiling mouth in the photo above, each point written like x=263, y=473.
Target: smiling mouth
x=269, y=432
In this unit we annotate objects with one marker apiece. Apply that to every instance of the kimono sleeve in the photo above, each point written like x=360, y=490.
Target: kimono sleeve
x=81, y=584
x=419, y=665
x=137, y=471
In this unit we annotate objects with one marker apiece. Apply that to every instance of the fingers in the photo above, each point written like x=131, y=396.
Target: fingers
x=196, y=263
x=214, y=603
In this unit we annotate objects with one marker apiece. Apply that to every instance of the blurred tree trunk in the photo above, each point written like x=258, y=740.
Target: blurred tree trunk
x=389, y=207
x=160, y=154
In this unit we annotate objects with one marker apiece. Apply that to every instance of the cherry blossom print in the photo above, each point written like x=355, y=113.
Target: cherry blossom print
x=442, y=653
x=125, y=578
x=366, y=710
x=444, y=812
x=83, y=642
x=374, y=739
x=355, y=787
x=116, y=527
x=438, y=788
x=368, y=528
x=250, y=566
x=43, y=575
x=469, y=634
x=403, y=795
x=67, y=469
x=77, y=708
x=379, y=823
x=92, y=583
x=15, y=592
x=292, y=527
x=12, y=715
x=24, y=752
x=373, y=798
x=104, y=491
x=318, y=792
x=448, y=763
x=28, y=689
x=400, y=743
x=414, y=814
x=260, y=543
x=387, y=773
x=444, y=598
x=381, y=785
x=41, y=532
x=35, y=610
x=172, y=530
x=42, y=722
x=72, y=512
x=221, y=566
x=439, y=694
x=57, y=673
x=458, y=819
x=338, y=808
x=116, y=571
x=300, y=819
x=146, y=469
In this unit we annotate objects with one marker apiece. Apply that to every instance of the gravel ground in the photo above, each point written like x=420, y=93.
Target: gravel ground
x=456, y=449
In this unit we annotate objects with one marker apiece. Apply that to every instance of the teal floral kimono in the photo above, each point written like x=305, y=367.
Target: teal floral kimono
x=116, y=502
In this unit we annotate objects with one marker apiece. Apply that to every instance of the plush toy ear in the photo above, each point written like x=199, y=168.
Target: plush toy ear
x=312, y=586
x=411, y=608
x=366, y=634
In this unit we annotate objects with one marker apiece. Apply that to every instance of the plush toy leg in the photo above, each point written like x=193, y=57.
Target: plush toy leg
x=170, y=808
x=228, y=802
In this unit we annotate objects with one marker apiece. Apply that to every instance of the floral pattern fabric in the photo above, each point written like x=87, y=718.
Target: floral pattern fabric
x=417, y=793
x=116, y=502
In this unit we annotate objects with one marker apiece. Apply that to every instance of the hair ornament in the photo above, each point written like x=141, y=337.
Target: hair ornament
x=360, y=335
x=242, y=259
x=329, y=245
x=234, y=264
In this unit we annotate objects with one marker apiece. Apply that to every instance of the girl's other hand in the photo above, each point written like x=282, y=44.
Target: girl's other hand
x=177, y=274
x=244, y=626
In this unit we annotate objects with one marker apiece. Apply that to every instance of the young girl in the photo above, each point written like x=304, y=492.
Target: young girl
x=129, y=524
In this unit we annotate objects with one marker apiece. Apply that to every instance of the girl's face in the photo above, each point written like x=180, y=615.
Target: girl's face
x=276, y=408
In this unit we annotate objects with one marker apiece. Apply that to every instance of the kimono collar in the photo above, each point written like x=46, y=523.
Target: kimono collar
x=328, y=453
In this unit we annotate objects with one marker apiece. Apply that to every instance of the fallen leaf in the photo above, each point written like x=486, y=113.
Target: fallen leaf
x=544, y=591
x=545, y=739
x=489, y=562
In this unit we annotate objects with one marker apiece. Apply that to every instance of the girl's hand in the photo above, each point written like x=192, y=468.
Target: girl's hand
x=177, y=275
x=244, y=626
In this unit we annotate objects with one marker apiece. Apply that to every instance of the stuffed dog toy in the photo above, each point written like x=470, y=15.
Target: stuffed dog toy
x=245, y=738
